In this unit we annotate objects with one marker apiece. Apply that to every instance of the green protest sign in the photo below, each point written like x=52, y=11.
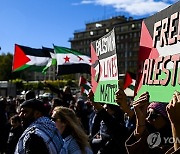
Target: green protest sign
x=159, y=55
x=104, y=71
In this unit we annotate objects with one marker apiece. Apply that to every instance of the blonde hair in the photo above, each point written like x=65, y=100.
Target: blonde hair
x=69, y=117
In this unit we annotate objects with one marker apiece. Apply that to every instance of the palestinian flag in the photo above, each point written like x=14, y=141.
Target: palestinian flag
x=129, y=84
x=159, y=55
x=129, y=80
x=29, y=58
x=52, y=61
x=70, y=61
x=84, y=85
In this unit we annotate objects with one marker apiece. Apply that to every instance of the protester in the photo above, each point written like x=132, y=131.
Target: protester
x=57, y=102
x=151, y=119
x=129, y=115
x=41, y=135
x=14, y=134
x=3, y=126
x=90, y=115
x=75, y=139
x=67, y=95
x=30, y=94
x=111, y=115
x=82, y=114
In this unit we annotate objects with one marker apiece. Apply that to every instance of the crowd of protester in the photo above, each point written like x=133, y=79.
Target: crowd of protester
x=70, y=125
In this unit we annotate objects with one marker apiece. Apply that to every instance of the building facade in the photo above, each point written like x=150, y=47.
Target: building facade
x=39, y=76
x=127, y=33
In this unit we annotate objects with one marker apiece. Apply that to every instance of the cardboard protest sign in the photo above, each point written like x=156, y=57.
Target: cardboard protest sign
x=159, y=55
x=104, y=71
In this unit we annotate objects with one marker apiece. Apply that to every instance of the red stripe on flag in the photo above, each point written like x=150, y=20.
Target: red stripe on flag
x=20, y=58
x=127, y=80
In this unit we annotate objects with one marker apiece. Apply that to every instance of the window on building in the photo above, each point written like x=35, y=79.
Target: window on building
x=91, y=33
x=130, y=35
x=135, y=35
x=121, y=64
x=135, y=44
x=117, y=37
x=130, y=45
x=122, y=45
x=80, y=35
x=130, y=63
x=133, y=26
x=130, y=54
x=107, y=30
x=117, y=46
x=135, y=63
x=124, y=28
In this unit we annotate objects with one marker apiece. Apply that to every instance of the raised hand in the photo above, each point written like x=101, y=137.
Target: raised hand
x=121, y=100
x=140, y=108
x=97, y=106
x=173, y=108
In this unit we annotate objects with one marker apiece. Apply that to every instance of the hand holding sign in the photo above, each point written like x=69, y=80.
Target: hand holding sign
x=140, y=108
x=121, y=100
x=173, y=108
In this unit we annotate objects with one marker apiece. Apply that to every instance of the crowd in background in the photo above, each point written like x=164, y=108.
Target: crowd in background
x=89, y=127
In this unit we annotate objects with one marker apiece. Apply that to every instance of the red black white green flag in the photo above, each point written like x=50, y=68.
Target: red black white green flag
x=29, y=58
x=129, y=83
x=52, y=61
x=129, y=80
x=70, y=61
x=84, y=85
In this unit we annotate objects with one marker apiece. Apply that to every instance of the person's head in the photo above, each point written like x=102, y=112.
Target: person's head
x=30, y=110
x=15, y=121
x=67, y=90
x=111, y=108
x=57, y=102
x=89, y=105
x=80, y=104
x=30, y=95
x=157, y=115
x=65, y=118
x=67, y=121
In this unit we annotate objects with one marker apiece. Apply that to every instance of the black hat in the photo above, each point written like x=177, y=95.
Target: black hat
x=35, y=104
x=30, y=95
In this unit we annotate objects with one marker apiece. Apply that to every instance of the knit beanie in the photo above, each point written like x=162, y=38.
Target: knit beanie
x=35, y=104
x=159, y=107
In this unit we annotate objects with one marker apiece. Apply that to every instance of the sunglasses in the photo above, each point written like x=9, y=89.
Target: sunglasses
x=153, y=115
x=54, y=119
